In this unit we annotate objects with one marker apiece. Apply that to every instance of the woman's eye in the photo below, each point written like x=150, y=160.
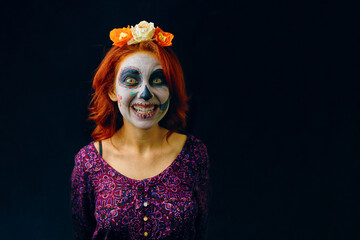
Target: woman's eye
x=131, y=80
x=157, y=80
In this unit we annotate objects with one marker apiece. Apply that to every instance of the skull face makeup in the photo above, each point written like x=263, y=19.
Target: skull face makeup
x=141, y=90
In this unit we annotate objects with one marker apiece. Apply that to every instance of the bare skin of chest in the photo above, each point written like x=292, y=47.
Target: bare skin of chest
x=140, y=166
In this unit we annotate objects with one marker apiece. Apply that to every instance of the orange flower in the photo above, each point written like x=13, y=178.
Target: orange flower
x=120, y=36
x=163, y=38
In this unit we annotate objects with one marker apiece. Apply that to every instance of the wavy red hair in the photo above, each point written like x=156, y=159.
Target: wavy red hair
x=105, y=113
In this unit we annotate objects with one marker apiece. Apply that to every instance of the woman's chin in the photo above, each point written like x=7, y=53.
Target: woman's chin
x=143, y=123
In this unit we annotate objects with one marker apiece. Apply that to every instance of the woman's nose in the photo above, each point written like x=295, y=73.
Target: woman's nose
x=146, y=94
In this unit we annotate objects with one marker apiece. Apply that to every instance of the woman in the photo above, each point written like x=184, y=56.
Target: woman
x=140, y=178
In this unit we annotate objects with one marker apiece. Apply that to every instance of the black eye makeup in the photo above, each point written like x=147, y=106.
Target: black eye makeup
x=157, y=78
x=130, y=77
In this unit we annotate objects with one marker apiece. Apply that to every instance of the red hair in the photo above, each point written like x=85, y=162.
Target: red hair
x=105, y=113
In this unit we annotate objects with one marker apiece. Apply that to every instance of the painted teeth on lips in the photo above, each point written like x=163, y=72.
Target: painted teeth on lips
x=144, y=109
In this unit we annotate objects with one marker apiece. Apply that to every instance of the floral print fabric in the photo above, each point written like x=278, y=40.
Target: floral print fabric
x=171, y=205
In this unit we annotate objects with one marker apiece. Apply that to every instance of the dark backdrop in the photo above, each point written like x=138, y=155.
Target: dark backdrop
x=274, y=89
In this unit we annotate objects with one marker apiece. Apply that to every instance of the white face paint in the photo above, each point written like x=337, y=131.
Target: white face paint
x=141, y=90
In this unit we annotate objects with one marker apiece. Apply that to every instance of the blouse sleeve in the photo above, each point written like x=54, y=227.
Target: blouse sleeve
x=202, y=194
x=82, y=201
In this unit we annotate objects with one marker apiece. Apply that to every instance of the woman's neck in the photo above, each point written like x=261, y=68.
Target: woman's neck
x=139, y=140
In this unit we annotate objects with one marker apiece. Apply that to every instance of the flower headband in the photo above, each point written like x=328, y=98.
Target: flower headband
x=143, y=31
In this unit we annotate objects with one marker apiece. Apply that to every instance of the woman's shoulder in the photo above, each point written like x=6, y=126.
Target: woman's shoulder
x=196, y=147
x=86, y=155
x=195, y=142
x=87, y=149
x=198, y=153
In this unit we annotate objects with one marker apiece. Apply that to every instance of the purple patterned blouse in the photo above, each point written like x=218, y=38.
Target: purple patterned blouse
x=172, y=205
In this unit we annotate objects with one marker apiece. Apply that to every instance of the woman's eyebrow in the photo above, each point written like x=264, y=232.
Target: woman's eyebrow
x=157, y=73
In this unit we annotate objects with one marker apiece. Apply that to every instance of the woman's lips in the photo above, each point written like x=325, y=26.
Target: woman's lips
x=144, y=111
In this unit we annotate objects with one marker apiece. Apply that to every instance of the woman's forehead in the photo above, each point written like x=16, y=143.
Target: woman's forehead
x=142, y=60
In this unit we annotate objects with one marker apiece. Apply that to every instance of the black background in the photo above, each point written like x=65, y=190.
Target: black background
x=274, y=88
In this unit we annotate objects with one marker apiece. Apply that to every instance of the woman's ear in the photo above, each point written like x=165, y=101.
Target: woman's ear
x=112, y=95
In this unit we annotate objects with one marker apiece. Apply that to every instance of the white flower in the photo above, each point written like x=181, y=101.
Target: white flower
x=142, y=32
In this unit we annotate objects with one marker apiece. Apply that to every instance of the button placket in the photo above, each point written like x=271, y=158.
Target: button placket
x=139, y=196
x=147, y=227
x=146, y=195
x=146, y=205
x=143, y=206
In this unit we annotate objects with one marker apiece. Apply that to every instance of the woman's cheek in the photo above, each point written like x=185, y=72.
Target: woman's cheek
x=133, y=93
x=124, y=96
x=119, y=98
x=163, y=94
